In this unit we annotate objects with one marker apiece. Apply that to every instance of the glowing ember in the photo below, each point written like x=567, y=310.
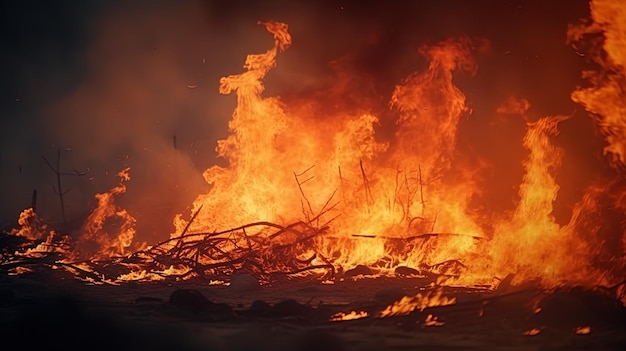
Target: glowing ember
x=419, y=302
x=432, y=321
x=352, y=315
x=532, y=332
x=583, y=330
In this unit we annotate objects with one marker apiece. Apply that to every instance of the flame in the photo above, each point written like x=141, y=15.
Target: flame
x=279, y=171
x=532, y=332
x=111, y=228
x=583, y=330
x=419, y=302
x=31, y=226
x=530, y=242
x=604, y=37
x=352, y=315
x=286, y=164
x=604, y=97
x=432, y=321
x=311, y=187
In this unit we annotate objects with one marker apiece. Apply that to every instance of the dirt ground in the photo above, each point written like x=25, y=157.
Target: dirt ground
x=45, y=311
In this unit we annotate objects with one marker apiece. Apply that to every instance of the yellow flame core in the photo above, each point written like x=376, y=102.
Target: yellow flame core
x=352, y=315
x=301, y=162
x=287, y=162
x=529, y=243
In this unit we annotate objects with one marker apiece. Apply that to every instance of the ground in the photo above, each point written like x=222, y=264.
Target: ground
x=50, y=310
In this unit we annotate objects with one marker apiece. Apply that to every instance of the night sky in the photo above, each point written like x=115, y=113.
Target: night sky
x=108, y=83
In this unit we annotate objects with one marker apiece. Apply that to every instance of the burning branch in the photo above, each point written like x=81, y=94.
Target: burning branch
x=369, y=199
x=296, y=176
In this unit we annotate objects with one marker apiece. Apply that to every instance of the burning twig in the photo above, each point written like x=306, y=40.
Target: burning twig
x=421, y=184
x=369, y=198
x=296, y=176
x=193, y=217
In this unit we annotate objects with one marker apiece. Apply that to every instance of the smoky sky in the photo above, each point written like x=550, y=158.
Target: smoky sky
x=115, y=84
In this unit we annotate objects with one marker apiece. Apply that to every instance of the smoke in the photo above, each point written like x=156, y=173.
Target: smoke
x=145, y=104
x=136, y=88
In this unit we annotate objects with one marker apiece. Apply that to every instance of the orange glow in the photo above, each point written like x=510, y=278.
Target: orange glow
x=604, y=97
x=286, y=165
x=532, y=332
x=109, y=226
x=583, y=330
x=352, y=315
x=419, y=302
x=143, y=275
x=31, y=226
x=432, y=321
x=306, y=189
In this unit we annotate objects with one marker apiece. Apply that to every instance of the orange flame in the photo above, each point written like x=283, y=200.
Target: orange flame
x=111, y=228
x=529, y=243
x=400, y=198
x=352, y=315
x=285, y=163
x=31, y=226
x=279, y=169
x=583, y=330
x=532, y=332
x=432, y=321
x=419, y=302
x=604, y=98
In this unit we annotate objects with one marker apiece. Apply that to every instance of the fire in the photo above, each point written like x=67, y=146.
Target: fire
x=111, y=228
x=604, y=97
x=583, y=330
x=287, y=165
x=314, y=188
x=145, y=275
x=31, y=226
x=284, y=168
x=432, y=321
x=532, y=332
x=352, y=315
x=419, y=302
x=532, y=224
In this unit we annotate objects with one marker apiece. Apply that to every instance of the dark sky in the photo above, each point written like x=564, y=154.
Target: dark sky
x=106, y=81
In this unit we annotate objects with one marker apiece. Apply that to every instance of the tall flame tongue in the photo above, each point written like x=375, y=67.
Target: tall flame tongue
x=287, y=164
x=406, y=201
x=530, y=243
x=246, y=191
x=109, y=230
x=605, y=97
x=307, y=186
x=604, y=41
